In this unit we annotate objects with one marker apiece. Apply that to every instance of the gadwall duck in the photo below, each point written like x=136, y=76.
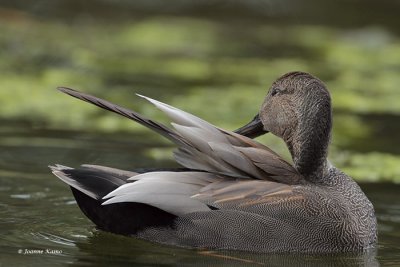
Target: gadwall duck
x=233, y=192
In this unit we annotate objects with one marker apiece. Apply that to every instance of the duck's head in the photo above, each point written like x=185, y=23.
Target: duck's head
x=297, y=108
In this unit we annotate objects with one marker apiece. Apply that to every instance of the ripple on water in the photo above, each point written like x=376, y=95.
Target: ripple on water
x=54, y=238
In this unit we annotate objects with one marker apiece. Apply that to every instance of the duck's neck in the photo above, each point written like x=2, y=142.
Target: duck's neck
x=309, y=145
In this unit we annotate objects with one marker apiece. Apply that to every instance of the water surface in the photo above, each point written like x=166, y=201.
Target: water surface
x=41, y=224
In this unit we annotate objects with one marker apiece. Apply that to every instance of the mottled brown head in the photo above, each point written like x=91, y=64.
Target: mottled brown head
x=296, y=102
x=297, y=108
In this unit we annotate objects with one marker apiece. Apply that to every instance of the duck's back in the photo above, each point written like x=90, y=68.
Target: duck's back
x=307, y=218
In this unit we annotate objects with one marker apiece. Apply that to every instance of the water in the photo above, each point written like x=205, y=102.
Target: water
x=41, y=224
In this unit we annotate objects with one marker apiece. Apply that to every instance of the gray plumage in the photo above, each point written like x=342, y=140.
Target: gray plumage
x=236, y=193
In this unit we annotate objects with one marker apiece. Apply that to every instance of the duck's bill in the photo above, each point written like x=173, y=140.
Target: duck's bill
x=253, y=129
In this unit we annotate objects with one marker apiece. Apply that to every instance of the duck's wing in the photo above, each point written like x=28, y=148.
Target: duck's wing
x=170, y=191
x=181, y=193
x=167, y=190
x=246, y=194
x=203, y=146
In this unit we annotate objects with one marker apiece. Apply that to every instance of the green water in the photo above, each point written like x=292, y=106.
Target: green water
x=215, y=59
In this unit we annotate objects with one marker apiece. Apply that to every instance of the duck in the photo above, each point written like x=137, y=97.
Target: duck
x=232, y=192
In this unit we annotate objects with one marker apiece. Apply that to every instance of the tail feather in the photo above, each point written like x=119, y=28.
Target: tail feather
x=90, y=183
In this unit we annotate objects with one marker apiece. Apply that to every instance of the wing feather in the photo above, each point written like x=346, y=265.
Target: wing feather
x=169, y=191
x=155, y=126
x=175, y=204
x=181, y=117
x=246, y=194
x=228, y=154
x=203, y=146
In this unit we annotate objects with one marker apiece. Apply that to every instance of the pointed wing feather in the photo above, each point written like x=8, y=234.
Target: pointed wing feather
x=169, y=191
x=183, y=118
x=165, y=182
x=205, y=147
x=238, y=151
x=228, y=154
x=194, y=159
x=273, y=165
x=155, y=126
x=201, y=139
x=175, y=204
x=196, y=137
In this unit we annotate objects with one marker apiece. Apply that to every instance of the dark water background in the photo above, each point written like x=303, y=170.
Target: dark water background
x=215, y=59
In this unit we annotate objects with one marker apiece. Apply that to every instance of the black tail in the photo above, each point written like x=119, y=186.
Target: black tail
x=90, y=183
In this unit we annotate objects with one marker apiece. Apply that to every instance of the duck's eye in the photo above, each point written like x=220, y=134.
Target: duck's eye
x=275, y=91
